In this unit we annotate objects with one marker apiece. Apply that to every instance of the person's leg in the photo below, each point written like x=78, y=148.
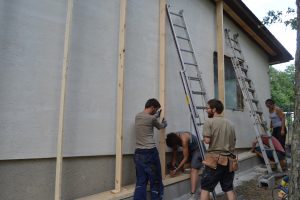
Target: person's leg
x=194, y=179
x=226, y=183
x=195, y=166
x=140, y=192
x=209, y=180
x=231, y=195
x=155, y=178
x=282, y=138
x=277, y=134
x=204, y=195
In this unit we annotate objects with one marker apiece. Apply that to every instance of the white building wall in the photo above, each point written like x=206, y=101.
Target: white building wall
x=258, y=66
x=31, y=50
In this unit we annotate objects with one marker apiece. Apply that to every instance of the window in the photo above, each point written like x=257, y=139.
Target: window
x=233, y=94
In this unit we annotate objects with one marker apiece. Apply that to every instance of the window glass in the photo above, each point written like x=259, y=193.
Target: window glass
x=233, y=93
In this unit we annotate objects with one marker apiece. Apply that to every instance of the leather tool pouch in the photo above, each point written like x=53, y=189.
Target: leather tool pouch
x=233, y=163
x=211, y=160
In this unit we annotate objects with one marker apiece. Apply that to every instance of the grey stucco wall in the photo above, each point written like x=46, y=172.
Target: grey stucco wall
x=31, y=38
x=31, y=51
x=34, y=179
x=258, y=66
x=31, y=62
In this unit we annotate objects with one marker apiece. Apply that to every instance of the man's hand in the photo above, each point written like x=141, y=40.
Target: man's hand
x=157, y=114
x=164, y=123
x=282, y=132
x=173, y=172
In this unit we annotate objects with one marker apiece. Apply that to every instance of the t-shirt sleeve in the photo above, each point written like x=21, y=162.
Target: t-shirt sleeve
x=157, y=124
x=207, y=129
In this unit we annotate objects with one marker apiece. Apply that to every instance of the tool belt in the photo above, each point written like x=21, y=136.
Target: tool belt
x=212, y=160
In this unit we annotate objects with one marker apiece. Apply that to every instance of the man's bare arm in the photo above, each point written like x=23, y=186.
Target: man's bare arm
x=206, y=140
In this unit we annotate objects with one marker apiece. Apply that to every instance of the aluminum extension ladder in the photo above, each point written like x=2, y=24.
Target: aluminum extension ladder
x=190, y=75
x=247, y=87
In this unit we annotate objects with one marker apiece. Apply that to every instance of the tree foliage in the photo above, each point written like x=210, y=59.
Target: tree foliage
x=288, y=17
x=294, y=23
x=282, y=87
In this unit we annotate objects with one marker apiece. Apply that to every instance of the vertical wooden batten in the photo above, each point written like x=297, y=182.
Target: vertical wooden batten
x=162, y=80
x=120, y=98
x=220, y=50
x=60, y=135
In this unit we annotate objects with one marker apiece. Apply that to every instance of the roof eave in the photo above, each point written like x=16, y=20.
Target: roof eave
x=245, y=19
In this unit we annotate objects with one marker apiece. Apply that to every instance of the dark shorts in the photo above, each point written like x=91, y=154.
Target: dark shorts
x=195, y=159
x=211, y=177
x=277, y=134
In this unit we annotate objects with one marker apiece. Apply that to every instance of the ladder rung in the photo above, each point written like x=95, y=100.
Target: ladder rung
x=177, y=25
x=200, y=124
x=198, y=92
x=233, y=40
x=259, y=112
x=247, y=79
x=244, y=69
x=176, y=14
x=251, y=90
x=186, y=50
x=201, y=107
x=237, y=49
x=190, y=64
x=194, y=78
x=241, y=60
x=183, y=38
x=266, y=136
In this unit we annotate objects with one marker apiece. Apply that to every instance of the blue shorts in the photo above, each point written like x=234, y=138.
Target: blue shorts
x=195, y=159
x=280, y=155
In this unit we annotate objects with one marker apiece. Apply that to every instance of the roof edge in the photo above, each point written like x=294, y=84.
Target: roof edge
x=254, y=28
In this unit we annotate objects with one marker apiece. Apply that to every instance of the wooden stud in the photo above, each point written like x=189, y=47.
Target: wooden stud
x=220, y=49
x=120, y=98
x=60, y=136
x=162, y=80
x=246, y=28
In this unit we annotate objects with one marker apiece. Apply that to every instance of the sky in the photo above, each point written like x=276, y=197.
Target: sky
x=285, y=35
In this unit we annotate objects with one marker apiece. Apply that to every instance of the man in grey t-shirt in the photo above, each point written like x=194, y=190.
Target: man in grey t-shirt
x=146, y=157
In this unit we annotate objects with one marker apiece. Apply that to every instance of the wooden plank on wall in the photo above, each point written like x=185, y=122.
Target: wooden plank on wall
x=162, y=80
x=220, y=49
x=120, y=98
x=58, y=176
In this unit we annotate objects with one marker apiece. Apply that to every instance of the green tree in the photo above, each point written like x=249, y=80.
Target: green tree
x=294, y=23
x=282, y=87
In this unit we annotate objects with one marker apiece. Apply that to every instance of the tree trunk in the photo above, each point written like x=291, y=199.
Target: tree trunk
x=294, y=183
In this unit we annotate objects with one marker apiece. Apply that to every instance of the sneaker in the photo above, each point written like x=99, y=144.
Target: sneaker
x=192, y=196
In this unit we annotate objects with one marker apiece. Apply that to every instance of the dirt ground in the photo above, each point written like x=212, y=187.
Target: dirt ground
x=250, y=191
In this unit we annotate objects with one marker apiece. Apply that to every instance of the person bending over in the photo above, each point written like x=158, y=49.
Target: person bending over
x=191, y=153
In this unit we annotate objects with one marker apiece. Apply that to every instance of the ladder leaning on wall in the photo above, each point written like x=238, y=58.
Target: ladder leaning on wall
x=190, y=75
x=250, y=98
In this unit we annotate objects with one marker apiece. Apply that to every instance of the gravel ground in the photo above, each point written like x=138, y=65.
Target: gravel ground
x=250, y=191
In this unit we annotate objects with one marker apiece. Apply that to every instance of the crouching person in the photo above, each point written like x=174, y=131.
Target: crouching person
x=278, y=148
x=191, y=153
x=219, y=134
